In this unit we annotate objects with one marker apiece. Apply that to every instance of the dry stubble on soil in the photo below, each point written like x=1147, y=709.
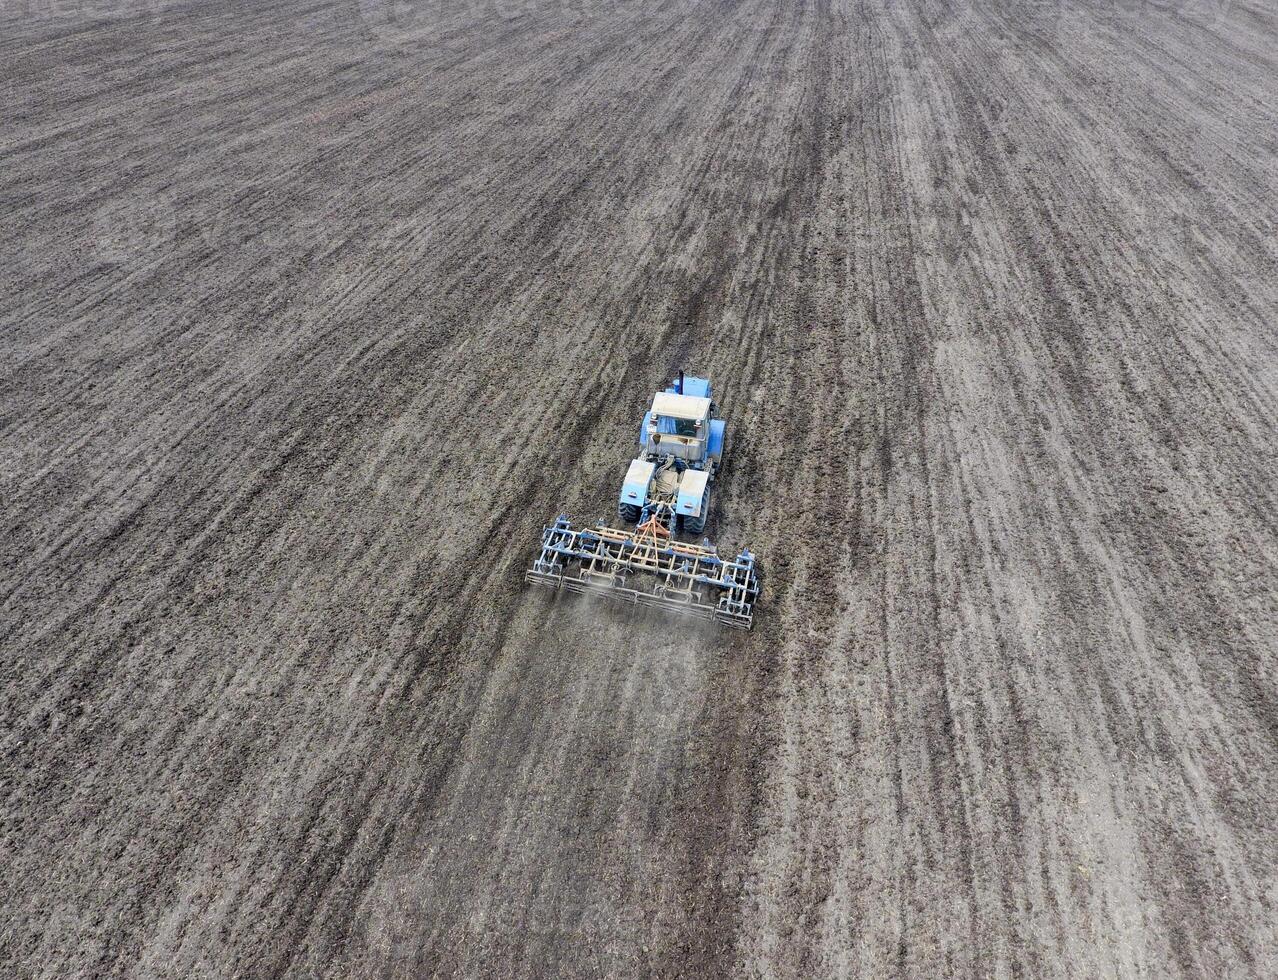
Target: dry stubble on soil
x=312, y=314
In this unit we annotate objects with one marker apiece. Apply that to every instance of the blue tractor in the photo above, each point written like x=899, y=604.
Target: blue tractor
x=682, y=449
x=666, y=491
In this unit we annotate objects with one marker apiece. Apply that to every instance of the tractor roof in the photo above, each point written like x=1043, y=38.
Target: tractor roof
x=669, y=405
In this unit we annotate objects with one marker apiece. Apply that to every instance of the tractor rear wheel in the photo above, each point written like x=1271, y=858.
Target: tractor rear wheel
x=696, y=525
x=629, y=513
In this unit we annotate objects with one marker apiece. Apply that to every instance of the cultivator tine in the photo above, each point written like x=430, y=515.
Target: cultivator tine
x=648, y=568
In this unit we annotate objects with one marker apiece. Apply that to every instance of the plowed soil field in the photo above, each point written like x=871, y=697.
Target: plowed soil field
x=313, y=312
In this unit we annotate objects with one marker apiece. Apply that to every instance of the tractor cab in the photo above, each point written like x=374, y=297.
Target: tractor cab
x=681, y=426
x=677, y=426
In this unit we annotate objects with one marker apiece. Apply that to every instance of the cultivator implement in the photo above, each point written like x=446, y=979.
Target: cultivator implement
x=648, y=567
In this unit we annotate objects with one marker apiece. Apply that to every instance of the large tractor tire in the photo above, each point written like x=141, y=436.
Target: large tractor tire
x=697, y=525
x=629, y=513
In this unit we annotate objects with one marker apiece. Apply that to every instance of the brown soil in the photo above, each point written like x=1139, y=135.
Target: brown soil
x=313, y=312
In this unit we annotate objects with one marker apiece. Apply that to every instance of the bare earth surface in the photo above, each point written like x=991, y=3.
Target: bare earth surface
x=313, y=312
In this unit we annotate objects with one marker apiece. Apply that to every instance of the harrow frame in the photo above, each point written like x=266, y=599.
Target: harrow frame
x=686, y=579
